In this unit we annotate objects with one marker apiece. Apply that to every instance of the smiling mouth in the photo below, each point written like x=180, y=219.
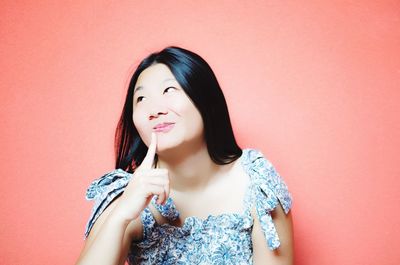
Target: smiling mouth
x=164, y=127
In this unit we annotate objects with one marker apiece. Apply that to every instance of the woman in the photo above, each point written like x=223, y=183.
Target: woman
x=183, y=191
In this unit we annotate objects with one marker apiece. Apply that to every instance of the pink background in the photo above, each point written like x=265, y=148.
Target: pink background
x=313, y=84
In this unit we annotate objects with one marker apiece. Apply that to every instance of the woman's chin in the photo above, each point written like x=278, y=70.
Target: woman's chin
x=164, y=147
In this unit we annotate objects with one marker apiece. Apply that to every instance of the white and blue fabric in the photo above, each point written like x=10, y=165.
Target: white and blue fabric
x=218, y=239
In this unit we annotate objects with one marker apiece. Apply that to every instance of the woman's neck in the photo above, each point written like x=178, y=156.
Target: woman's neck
x=190, y=170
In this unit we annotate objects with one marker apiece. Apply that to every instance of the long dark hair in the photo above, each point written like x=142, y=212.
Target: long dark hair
x=200, y=84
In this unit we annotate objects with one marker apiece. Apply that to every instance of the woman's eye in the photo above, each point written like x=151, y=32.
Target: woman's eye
x=169, y=88
x=139, y=99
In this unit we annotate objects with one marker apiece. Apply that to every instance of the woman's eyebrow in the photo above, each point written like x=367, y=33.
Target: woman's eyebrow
x=141, y=87
x=137, y=89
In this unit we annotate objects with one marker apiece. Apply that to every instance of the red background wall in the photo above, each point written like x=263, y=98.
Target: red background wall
x=313, y=84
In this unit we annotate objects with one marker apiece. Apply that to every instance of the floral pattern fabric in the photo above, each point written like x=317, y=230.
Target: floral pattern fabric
x=218, y=239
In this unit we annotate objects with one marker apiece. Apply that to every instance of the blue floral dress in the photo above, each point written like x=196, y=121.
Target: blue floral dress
x=218, y=239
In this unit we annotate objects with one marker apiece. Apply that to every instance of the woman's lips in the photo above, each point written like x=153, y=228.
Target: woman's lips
x=165, y=127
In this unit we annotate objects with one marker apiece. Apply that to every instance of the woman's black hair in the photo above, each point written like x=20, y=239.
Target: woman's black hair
x=200, y=84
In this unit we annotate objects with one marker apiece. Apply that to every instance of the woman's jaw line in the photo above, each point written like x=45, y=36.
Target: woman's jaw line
x=177, y=154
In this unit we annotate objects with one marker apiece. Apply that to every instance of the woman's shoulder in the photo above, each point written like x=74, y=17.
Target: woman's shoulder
x=268, y=190
x=254, y=159
x=265, y=178
x=113, y=179
x=251, y=154
x=103, y=191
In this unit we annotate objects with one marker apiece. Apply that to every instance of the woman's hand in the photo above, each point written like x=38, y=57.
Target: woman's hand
x=110, y=238
x=144, y=184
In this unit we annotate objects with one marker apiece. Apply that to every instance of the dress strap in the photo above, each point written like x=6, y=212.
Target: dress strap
x=267, y=191
x=103, y=191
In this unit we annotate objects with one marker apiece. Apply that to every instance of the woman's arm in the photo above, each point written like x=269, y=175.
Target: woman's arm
x=284, y=255
x=109, y=239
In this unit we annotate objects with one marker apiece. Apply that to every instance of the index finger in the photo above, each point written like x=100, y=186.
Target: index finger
x=149, y=158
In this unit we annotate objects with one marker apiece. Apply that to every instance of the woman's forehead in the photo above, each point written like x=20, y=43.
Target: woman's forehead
x=157, y=74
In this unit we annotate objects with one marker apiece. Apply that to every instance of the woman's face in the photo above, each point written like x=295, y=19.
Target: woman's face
x=161, y=105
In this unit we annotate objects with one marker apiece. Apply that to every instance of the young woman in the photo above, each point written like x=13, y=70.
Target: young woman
x=183, y=191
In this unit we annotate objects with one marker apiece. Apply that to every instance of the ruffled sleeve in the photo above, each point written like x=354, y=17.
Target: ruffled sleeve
x=103, y=191
x=268, y=190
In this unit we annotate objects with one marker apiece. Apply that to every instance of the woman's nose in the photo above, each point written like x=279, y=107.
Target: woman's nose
x=157, y=110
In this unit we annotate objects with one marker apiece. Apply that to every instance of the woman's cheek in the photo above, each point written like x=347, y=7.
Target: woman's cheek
x=180, y=105
x=138, y=121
